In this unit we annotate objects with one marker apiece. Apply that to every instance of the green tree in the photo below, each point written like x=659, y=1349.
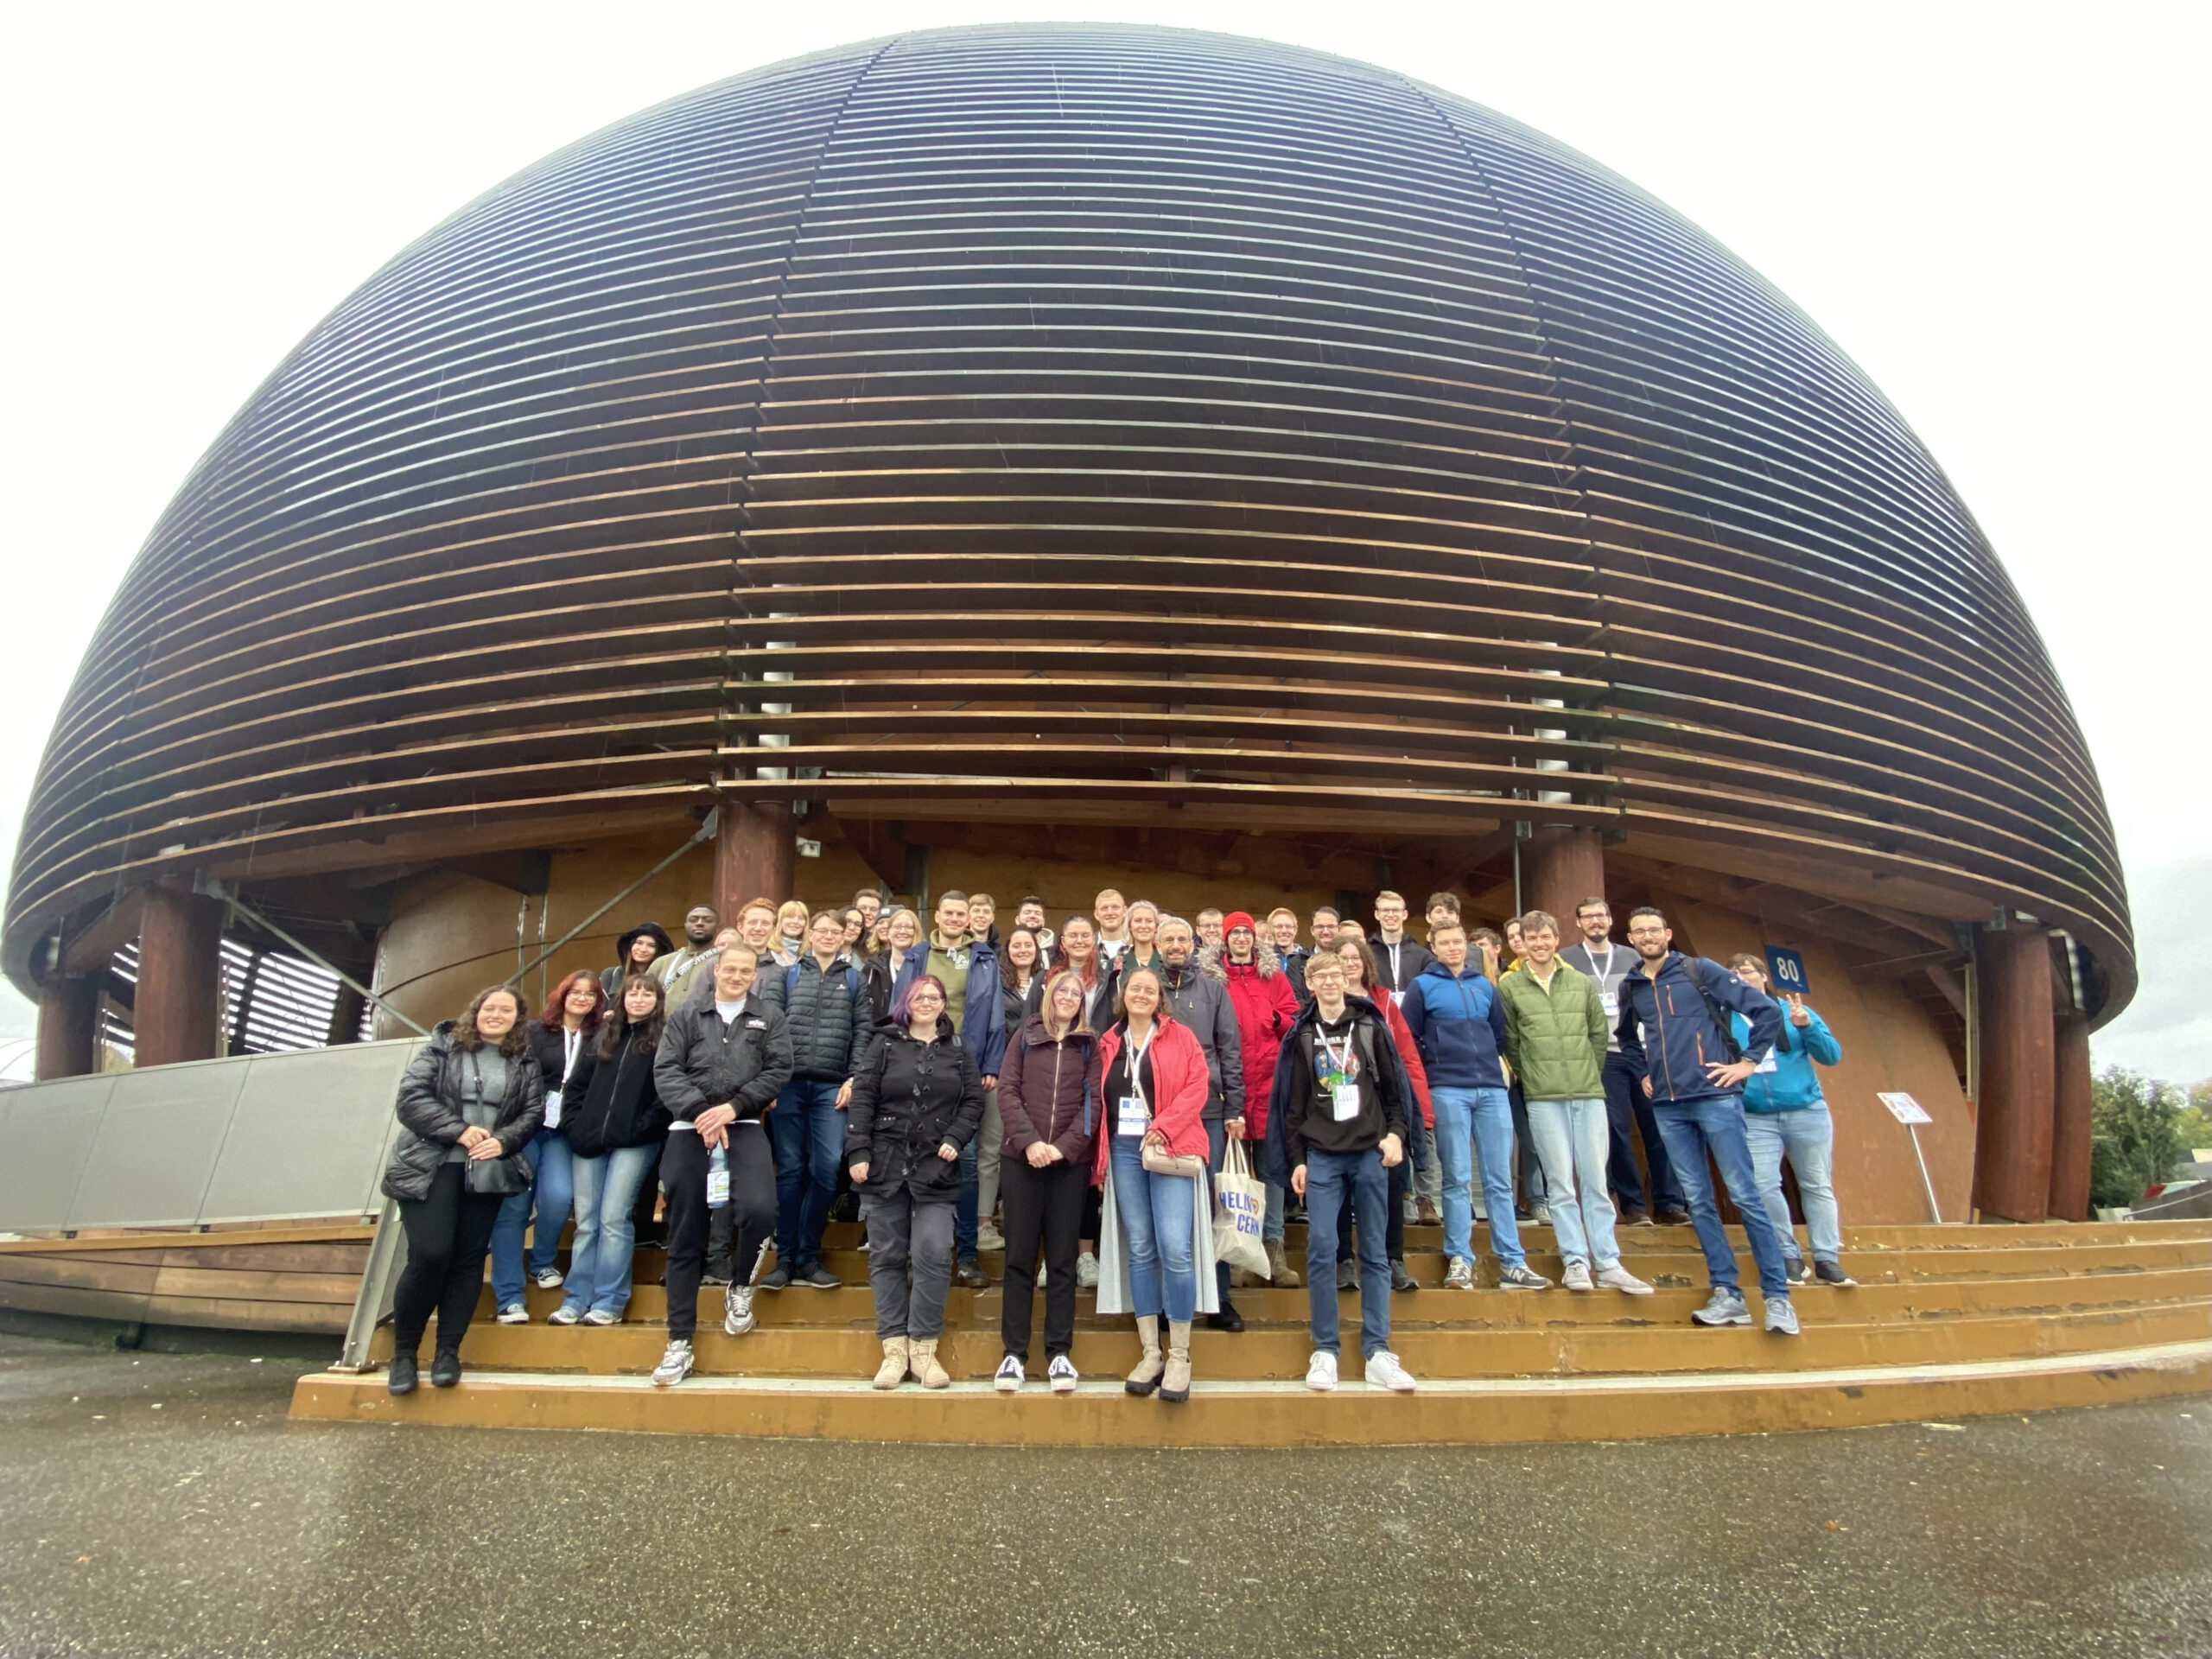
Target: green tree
x=2135, y=1122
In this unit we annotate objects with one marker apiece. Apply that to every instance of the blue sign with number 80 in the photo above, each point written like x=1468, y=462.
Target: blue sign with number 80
x=1787, y=970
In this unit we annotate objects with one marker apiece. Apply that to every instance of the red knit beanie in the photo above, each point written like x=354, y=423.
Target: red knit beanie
x=1237, y=918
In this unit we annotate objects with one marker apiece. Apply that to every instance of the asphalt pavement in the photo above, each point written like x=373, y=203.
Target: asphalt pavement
x=162, y=1504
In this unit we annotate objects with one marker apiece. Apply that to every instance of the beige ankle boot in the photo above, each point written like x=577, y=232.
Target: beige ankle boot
x=1278, y=1269
x=1175, y=1381
x=893, y=1371
x=922, y=1357
x=1145, y=1377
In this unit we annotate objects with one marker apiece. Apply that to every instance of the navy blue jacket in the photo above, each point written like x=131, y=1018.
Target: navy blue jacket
x=1668, y=1008
x=985, y=1039
x=1459, y=1024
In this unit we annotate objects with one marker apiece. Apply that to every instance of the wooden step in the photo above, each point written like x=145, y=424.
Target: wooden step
x=1278, y=1351
x=1284, y=1412
x=1482, y=1308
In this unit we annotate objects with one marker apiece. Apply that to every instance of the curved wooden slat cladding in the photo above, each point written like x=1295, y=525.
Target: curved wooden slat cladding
x=1147, y=420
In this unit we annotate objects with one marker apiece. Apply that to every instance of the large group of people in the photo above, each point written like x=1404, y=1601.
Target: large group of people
x=1069, y=1096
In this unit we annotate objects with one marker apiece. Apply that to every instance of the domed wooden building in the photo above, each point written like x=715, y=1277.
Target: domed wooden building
x=1025, y=457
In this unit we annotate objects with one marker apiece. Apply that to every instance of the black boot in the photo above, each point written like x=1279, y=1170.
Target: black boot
x=445, y=1368
x=1227, y=1319
x=401, y=1379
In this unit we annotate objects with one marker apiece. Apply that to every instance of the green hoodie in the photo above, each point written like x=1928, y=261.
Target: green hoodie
x=1555, y=1038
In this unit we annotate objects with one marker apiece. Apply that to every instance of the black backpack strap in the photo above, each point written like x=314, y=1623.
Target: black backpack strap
x=1716, y=1007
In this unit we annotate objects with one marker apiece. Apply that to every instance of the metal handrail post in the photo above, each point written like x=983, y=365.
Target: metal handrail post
x=372, y=1302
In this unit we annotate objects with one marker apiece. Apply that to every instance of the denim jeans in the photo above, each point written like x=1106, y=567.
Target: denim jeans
x=808, y=1132
x=1467, y=1118
x=607, y=1230
x=1808, y=1136
x=963, y=1207
x=1715, y=1123
x=1428, y=1173
x=1572, y=1140
x=1278, y=1204
x=1156, y=1222
x=550, y=1195
x=1333, y=1180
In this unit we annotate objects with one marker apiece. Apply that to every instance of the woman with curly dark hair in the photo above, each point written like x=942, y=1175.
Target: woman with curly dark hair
x=561, y=1040
x=469, y=1104
x=615, y=1131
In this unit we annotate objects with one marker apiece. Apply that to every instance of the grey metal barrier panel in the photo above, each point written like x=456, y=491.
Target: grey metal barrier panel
x=46, y=1141
x=310, y=1135
x=265, y=1137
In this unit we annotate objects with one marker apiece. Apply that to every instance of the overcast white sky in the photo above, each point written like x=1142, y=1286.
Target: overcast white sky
x=1996, y=210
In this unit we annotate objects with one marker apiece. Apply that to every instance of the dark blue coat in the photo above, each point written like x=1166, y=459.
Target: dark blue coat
x=1668, y=1009
x=1460, y=1023
x=985, y=1039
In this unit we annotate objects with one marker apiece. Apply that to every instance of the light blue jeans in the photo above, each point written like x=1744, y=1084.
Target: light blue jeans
x=1468, y=1119
x=1714, y=1123
x=550, y=1196
x=1808, y=1136
x=1574, y=1139
x=606, y=1231
x=1156, y=1223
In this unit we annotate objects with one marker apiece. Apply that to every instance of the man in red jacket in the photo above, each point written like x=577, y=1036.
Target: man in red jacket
x=1267, y=1006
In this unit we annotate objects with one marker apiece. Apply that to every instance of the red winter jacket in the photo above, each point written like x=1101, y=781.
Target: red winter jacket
x=1267, y=1007
x=1180, y=1087
x=1408, y=1050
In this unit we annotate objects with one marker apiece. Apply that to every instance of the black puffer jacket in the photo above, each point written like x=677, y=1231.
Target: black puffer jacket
x=703, y=1062
x=430, y=1095
x=621, y=1107
x=910, y=1098
x=829, y=1015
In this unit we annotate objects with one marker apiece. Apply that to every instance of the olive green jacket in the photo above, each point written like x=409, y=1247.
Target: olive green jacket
x=1555, y=1039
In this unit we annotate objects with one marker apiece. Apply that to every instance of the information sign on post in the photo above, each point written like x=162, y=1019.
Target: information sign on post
x=1787, y=970
x=1911, y=1113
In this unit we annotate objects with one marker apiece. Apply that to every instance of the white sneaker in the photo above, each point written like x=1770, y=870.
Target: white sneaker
x=737, y=1310
x=513, y=1313
x=1086, y=1271
x=566, y=1313
x=1062, y=1375
x=1012, y=1375
x=1461, y=1275
x=1321, y=1372
x=675, y=1366
x=1618, y=1277
x=988, y=1238
x=1541, y=1214
x=550, y=1279
x=1384, y=1371
x=1577, y=1276
x=601, y=1316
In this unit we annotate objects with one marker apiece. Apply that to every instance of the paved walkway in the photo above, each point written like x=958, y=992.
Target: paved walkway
x=162, y=1504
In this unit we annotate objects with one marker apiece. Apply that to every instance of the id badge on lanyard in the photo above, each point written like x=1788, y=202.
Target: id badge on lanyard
x=1132, y=1114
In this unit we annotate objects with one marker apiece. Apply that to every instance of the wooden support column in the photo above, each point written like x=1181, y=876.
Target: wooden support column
x=1561, y=868
x=2069, y=1134
x=68, y=1026
x=754, y=856
x=179, y=1007
x=2011, y=1158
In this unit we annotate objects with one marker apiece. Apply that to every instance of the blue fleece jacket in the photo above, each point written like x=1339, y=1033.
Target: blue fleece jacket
x=985, y=1039
x=1667, y=1009
x=1793, y=1085
x=1459, y=1024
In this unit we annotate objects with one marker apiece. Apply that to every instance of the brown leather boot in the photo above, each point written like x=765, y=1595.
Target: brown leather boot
x=1279, y=1268
x=1145, y=1377
x=1175, y=1380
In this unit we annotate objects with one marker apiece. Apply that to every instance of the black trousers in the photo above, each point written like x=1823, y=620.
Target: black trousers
x=448, y=1235
x=1041, y=1205
x=752, y=1206
x=1626, y=1105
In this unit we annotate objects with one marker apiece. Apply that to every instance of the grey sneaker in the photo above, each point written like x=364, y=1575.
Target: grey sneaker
x=1577, y=1276
x=1460, y=1275
x=1347, y=1275
x=1832, y=1273
x=566, y=1313
x=602, y=1316
x=675, y=1366
x=818, y=1277
x=1541, y=1213
x=1797, y=1270
x=1781, y=1317
x=1726, y=1307
x=737, y=1310
x=513, y=1313
x=777, y=1278
x=1618, y=1277
x=1521, y=1276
